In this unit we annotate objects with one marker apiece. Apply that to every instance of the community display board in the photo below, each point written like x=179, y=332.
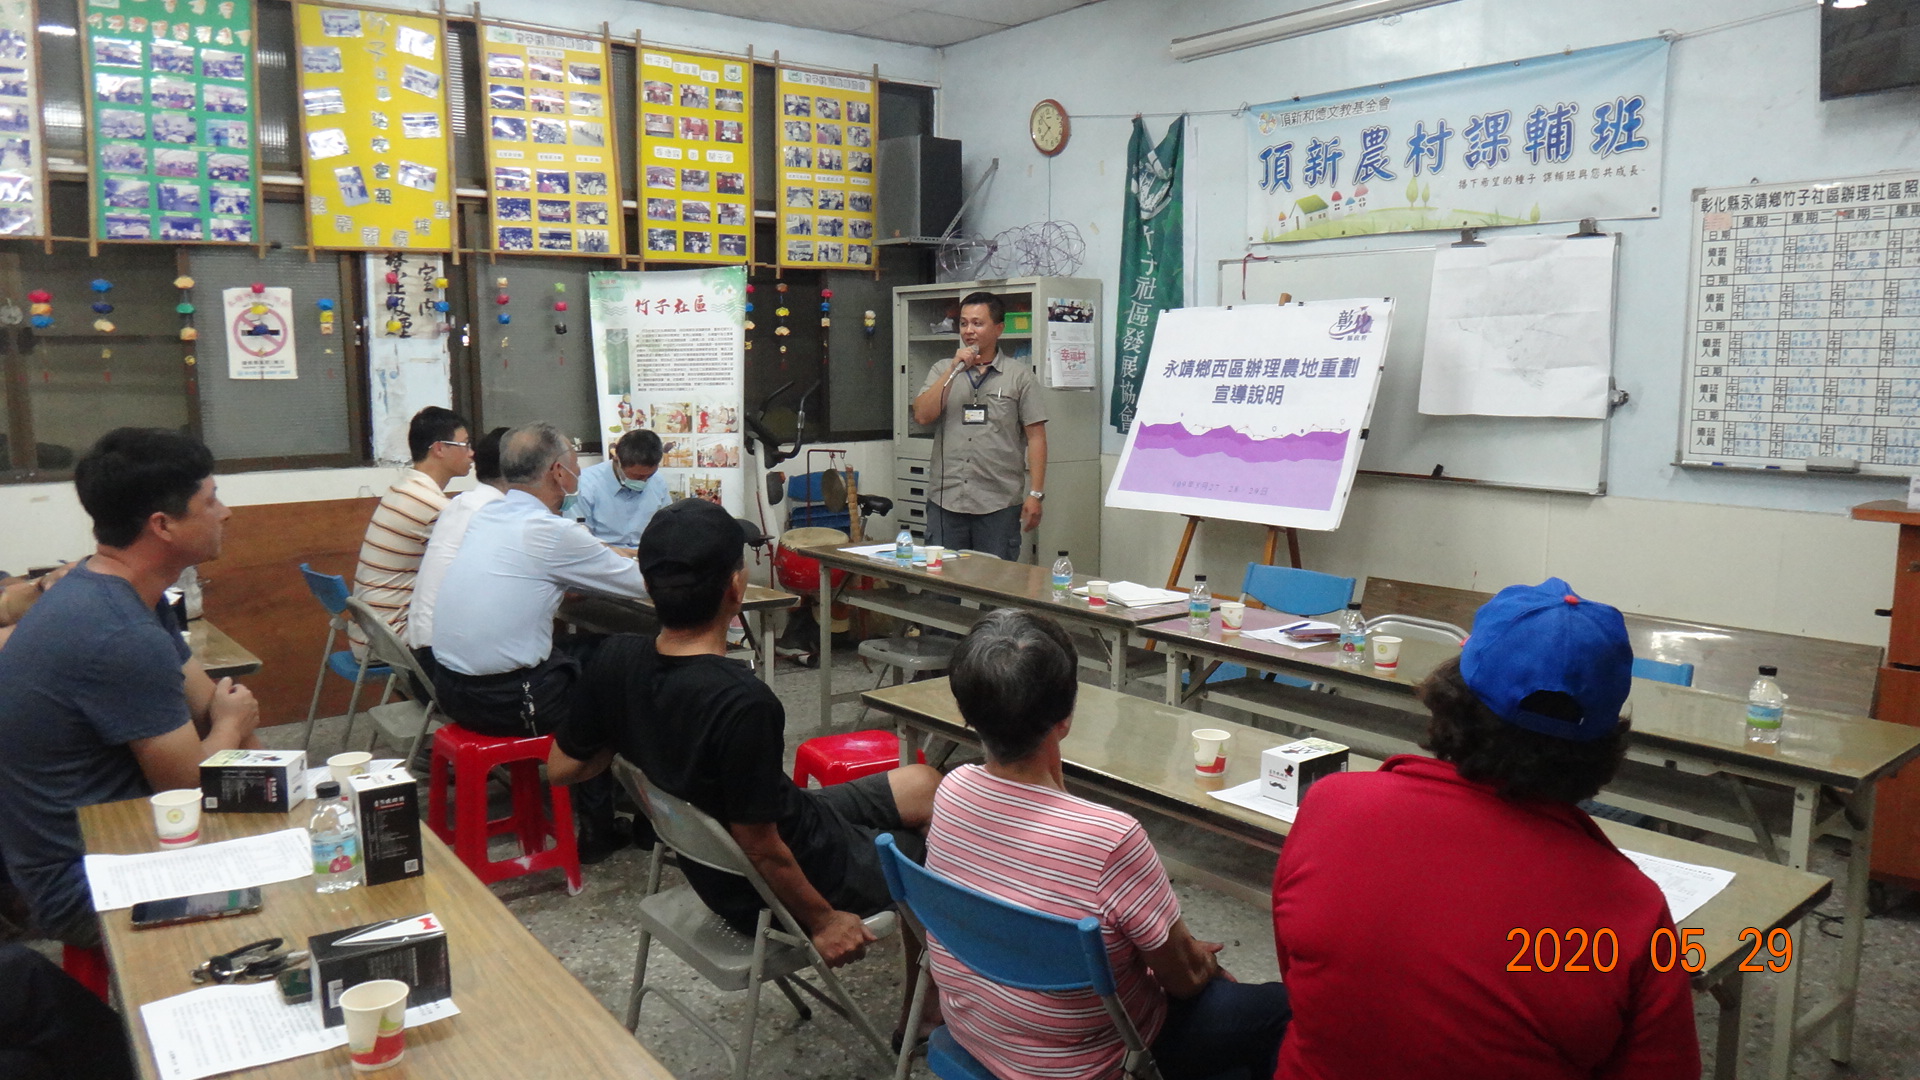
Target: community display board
x=1255, y=413
x=1804, y=325
x=23, y=166
x=374, y=133
x=172, y=108
x=696, y=157
x=550, y=152
x=669, y=352
x=827, y=178
x=408, y=368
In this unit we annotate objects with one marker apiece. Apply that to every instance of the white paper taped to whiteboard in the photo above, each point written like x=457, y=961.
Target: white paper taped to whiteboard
x=1521, y=326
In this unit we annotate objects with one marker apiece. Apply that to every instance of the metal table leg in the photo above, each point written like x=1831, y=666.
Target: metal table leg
x=1176, y=663
x=763, y=623
x=1730, y=1030
x=1786, y=1013
x=1859, y=866
x=825, y=655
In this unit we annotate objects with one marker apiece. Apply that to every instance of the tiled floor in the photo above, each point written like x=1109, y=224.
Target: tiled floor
x=593, y=934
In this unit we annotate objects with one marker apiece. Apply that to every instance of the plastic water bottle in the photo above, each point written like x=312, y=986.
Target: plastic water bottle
x=1766, y=706
x=1062, y=578
x=336, y=843
x=903, y=546
x=1200, y=605
x=1353, y=635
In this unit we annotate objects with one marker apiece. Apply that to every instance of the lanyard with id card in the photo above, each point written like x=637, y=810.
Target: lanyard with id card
x=973, y=414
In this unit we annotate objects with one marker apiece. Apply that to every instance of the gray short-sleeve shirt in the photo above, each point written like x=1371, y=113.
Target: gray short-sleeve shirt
x=980, y=441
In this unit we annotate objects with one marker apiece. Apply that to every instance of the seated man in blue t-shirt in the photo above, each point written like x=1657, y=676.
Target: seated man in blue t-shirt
x=100, y=698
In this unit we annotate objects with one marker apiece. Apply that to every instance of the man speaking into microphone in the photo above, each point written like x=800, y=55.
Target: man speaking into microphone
x=989, y=468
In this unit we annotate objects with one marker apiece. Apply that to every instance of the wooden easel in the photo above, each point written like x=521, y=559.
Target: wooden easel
x=1272, y=550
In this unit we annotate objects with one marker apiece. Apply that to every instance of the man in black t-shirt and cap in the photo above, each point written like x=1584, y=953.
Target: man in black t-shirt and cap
x=705, y=730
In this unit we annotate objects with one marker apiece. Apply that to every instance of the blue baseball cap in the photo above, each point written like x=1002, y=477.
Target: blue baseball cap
x=1534, y=638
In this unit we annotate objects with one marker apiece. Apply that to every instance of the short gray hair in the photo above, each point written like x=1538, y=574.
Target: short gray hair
x=638, y=447
x=528, y=451
x=1015, y=675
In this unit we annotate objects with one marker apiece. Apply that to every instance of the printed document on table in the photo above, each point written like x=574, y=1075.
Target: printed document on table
x=1129, y=594
x=872, y=550
x=1273, y=633
x=1686, y=885
x=1248, y=796
x=223, y=1028
x=120, y=881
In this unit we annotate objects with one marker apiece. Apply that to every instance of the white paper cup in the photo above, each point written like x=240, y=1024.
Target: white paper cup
x=353, y=763
x=1210, y=751
x=1096, y=594
x=176, y=817
x=376, y=1014
x=1232, y=614
x=1386, y=652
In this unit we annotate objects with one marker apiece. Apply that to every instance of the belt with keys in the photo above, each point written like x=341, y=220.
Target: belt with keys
x=255, y=962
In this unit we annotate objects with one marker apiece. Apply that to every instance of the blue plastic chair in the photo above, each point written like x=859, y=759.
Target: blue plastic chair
x=1662, y=671
x=1296, y=592
x=331, y=591
x=1007, y=943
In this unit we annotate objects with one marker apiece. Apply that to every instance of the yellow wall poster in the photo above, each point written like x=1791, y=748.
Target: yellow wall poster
x=696, y=152
x=551, y=151
x=826, y=168
x=373, y=121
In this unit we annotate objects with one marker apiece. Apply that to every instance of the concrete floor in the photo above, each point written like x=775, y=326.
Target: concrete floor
x=594, y=935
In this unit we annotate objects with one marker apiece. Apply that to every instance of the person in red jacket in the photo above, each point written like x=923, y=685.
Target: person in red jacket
x=1398, y=890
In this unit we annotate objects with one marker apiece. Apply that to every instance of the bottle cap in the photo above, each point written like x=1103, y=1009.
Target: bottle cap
x=1769, y=670
x=1063, y=554
x=327, y=789
x=1353, y=605
x=1198, y=578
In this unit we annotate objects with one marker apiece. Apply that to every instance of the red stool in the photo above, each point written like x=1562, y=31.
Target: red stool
x=474, y=757
x=836, y=759
x=88, y=967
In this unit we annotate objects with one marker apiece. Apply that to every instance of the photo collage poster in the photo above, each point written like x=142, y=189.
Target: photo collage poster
x=173, y=120
x=551, y=149
x=373, y=119
x=23, y=176
x=827, y=142
x=696, y=157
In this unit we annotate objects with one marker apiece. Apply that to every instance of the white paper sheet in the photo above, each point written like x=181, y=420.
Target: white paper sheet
x=1273, y=633
x=1130, y=594
x=1520, y=327
x=871, y=550
x=222, y=1028
x=1248, y=795
x=1686, y=885
x=120, y=881
x=320, y=773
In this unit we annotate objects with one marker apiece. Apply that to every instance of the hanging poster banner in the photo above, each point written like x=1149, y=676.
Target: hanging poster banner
x=827, y=178
x=1554, y=138
x=408, y=368
x=23, y=167
x=1070, y=330
x=259, y=333
x=1152, y=263
x=551, y=154
x=1255, y=413
x=669, y=351
x=374, y=131
x=171, y=105
x=696, y=157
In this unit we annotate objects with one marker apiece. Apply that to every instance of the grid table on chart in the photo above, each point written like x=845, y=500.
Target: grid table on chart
x=1807, y=333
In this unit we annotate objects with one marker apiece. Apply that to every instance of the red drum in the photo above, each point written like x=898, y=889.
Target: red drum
x=798, y=573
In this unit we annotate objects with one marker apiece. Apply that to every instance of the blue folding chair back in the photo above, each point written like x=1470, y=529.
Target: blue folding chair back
x=1662, y=671
x=1297, y=592
x=331, y=591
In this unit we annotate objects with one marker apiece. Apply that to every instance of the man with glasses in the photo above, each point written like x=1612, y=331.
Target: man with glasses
x=397, y=535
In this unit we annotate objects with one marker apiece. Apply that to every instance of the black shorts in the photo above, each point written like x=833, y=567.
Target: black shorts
x=863, y=809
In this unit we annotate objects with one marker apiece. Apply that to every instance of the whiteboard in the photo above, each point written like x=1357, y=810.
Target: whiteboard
x=1546, y=453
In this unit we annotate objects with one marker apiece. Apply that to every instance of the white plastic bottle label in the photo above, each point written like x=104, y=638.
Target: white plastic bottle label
x=336, y=856
x=1765, y=717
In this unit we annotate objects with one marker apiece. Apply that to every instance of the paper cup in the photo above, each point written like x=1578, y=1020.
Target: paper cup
x=1386, y=652
x=355, y=763
x=1210, y=751
x=1232, y=614
x=376, y=1014
x=176, y=817
x=1096, y=594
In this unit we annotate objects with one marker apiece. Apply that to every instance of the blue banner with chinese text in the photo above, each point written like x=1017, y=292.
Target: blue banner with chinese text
x=1553, y=138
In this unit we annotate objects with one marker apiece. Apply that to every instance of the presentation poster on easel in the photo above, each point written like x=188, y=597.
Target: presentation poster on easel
x=1255, y=413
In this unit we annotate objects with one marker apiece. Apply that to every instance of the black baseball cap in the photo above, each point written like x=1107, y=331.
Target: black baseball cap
x=690, y=541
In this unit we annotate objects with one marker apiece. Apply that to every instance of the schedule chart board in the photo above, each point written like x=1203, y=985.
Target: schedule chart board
x=1804, y=331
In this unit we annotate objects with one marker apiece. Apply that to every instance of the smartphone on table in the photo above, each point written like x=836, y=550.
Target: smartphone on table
x=148, y=914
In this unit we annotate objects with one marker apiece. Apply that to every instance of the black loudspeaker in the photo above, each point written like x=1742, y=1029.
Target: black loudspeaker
x=919, y=186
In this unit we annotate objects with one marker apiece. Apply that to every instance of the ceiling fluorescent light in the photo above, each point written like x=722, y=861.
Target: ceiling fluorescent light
x=1281, y=27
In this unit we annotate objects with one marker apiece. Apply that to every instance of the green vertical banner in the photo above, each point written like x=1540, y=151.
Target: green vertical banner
x=1152, y=278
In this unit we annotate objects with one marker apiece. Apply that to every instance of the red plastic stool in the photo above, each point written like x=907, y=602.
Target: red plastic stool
x=836, y=759
x=88, y=967
x=474, y=757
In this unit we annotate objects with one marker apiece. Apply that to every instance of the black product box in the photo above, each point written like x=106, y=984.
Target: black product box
x=413, y=950
x=387, y=807
x=253, y=781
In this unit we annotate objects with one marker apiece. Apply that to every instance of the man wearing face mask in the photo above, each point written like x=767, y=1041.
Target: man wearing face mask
x=620, y=495
x=500, y=672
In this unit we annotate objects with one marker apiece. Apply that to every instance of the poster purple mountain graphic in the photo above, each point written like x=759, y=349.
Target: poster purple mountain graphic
x=1300, y=471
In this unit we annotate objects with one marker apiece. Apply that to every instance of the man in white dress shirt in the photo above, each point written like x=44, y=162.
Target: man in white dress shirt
x=448, y=532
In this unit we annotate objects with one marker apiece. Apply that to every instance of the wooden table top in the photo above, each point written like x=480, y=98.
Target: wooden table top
x=521, y=1013
x=219, y=654
x=1889, y=510
x=1140, y=751
x=997, y=581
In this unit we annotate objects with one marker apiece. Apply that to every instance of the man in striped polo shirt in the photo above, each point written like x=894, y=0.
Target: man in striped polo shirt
x=397, y=535
x=1010, y=829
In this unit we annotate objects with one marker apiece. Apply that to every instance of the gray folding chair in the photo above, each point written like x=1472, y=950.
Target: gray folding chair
x=406, y=721
x=1416, y=628
x=777, y=952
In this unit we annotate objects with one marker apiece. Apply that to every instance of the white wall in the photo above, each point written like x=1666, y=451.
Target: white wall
x=1743, y=104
